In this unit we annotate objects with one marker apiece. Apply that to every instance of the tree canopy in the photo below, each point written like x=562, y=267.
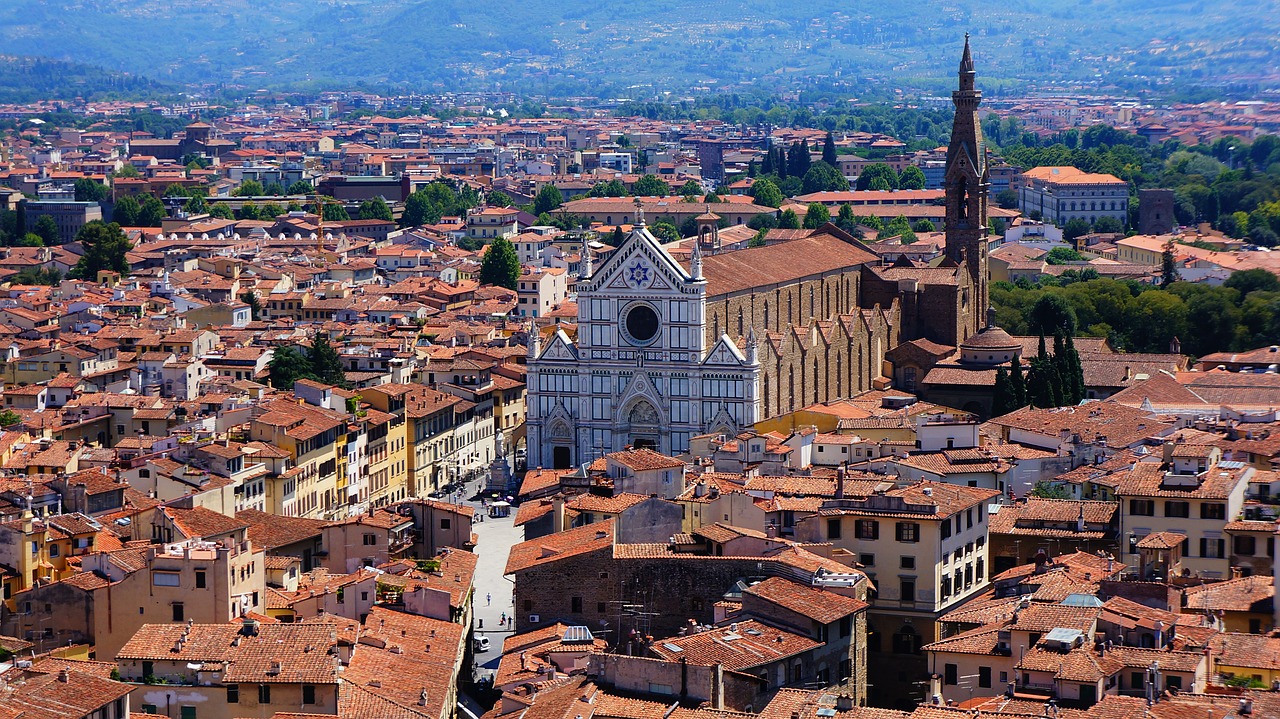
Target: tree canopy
x=105, y=246
x=501, y=264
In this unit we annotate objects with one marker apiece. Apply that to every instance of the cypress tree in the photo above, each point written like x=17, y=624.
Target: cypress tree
x=767, y=167
x=829, y=150
x=780, y=163
x=1066, y=379
x=1019, y=383
x=1076, y=368
x=1002, y=399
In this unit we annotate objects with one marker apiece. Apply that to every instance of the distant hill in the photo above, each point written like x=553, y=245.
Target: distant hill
x=23, y=79
x=575, y=46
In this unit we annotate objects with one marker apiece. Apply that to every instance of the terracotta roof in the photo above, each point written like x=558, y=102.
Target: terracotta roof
x=821, y=606
x=569, y=543
x=270, y=531
x=737, y=647
x=302, y=650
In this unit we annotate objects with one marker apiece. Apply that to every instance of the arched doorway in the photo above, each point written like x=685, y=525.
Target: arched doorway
x=645, y=424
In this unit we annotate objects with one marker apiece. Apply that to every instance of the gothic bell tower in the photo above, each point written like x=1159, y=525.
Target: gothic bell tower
x=966, y=186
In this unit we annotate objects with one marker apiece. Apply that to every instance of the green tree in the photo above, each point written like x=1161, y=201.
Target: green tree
x=498, y=198
x=1050, y=490
x=249, y=297
x=301, y=187
x=1052, y=314
x=176, y=190
x=912, y=178
x=501, y=264
x=821, y=177
x=333, y=212
x=274, y=189
x=31, y=239
x=547, y=199
x=250, y=188
x=104, y=249
x=651, y=186
x=47, y=229
x=272, y=210
x=151, y=212
x=287, y=366
x=1168, y=266
x=712, y=198
x=667, y=232
x=816, y=216
x=1062, y=256
x=690, y=188
x=374, y=208
x=125, y=213
x=798, y=159
x=222, y=211
x=829, y=150
x=612, y=188
x=1008, y=199
x=8, y=418
x=765, y=193
x=924, y=226
x=1108, y=225
x=1003, y=400
x=195, y=205
x=90, y=190
x=326, y=364
x=789, y=220
x=1256, y=280
x=1074, y=228
x=845, y=219
x=1018, y=383
x=128, y=171
x=877, y=171
x=248, y=211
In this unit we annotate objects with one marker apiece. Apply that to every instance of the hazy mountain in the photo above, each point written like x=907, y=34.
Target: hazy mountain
x=579, y=46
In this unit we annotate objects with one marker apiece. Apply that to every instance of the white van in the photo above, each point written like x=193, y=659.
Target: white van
x=480, y=644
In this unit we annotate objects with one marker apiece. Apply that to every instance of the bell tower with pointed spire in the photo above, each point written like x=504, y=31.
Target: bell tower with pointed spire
x=966, y=187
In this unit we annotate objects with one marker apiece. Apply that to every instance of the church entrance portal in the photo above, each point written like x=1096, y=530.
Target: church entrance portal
x=644, y=443
x=560, y=458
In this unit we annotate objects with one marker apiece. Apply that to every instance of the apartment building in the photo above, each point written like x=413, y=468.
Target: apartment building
x=1190, y=491
x=924, y=546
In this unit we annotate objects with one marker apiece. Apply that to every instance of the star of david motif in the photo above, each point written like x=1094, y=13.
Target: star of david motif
x=639, y=275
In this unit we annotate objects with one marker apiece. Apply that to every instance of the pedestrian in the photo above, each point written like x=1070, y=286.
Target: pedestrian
x=488, y=599
x=502, y=620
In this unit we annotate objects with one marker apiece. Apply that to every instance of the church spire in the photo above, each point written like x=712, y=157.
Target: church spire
x=695, y=262
x=535, y=340
x=966, y=66
x=753, y=356
x=587, y=269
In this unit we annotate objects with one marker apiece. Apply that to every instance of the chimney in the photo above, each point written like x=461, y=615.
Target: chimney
x=840, y=481
x=1167, y=452
x=64, y=676
x=557, y=513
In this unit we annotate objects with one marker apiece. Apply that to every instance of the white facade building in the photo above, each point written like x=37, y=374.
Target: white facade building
x=641, y=373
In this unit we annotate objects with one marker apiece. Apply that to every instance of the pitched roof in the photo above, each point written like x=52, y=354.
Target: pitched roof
x=821, y=606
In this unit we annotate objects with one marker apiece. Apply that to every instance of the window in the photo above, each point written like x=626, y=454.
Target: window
x=1177, y=509
x=907, y=562
x=1212, y=548
x=908, y=532
x=148, y=708
x=1213, y=510
x=53, y=550
x=264, y=693
x=528, y=605
x=946, y=586
x=444, y=523
x=946, y=529
x=833, y=528
x=148, y=669
x=575, y=605
x=233, y=693
x=178, y=614
x=308, y=694
x=907, y=590
x=984, y=677
x=200, y=579
x=867, y=529
x=846, y=627
x=1245, y=545
x=370, y=540
x=867, y=560
x=1142, y=507
x=950, y=674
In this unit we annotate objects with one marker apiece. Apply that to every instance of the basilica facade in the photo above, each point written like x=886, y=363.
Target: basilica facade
x=667, y=350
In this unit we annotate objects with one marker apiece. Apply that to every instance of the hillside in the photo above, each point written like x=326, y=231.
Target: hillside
x=603, y=48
